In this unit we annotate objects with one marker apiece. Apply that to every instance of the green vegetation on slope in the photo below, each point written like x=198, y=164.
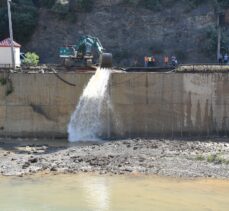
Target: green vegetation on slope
x=25, y=14
x=24, y=18
x=209, y=41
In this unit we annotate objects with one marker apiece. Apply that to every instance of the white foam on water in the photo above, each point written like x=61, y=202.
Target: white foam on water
x=87, y=121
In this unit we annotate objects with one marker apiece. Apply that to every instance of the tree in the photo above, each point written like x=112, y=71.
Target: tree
x=24, y=18
x=31, y=58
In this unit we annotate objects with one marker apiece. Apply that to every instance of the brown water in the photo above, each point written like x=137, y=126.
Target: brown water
x=111, y=193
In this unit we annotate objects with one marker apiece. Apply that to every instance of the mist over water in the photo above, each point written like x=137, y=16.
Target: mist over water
x=88, y=122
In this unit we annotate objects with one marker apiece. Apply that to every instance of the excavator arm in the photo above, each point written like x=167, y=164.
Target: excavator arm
x=105, y=60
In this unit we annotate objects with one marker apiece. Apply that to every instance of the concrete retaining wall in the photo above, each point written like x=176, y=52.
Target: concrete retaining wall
x=144, y=104
x=172, y=104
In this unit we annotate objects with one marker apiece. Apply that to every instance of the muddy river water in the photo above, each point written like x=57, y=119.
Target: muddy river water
x=80, y=192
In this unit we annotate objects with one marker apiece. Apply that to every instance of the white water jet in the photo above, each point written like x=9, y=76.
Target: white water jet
x=88, y=120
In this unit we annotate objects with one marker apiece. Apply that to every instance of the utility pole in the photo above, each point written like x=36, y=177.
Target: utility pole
x=219, y=37
x=11, y=34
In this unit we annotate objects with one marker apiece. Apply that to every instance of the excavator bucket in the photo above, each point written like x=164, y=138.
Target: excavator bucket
x=105, y=60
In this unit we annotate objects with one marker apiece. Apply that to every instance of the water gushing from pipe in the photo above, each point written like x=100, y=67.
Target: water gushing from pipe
x=88, y=120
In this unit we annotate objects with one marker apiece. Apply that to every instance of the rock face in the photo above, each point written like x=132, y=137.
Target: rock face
x=129, y=32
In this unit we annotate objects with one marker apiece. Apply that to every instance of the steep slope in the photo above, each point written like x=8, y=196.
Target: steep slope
x=131, y=32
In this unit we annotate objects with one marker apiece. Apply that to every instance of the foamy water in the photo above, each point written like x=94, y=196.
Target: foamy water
x=89, y=119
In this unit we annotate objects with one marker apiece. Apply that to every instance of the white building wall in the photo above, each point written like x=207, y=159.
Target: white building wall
x=5, y=57
x=17, y=57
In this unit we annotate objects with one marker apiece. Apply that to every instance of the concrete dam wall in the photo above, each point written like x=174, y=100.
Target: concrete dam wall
x=144, y=104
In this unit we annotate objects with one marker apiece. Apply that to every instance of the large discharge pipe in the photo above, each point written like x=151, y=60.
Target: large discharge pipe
x=105, y=60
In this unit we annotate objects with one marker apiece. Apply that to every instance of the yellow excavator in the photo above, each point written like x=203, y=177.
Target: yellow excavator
x=82, y=53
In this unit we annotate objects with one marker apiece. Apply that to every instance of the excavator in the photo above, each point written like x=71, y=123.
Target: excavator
x=83, y=53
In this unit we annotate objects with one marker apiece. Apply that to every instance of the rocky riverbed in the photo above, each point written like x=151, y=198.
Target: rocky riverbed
x=177, y=158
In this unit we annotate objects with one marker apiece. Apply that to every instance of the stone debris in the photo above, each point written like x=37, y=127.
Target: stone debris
x=177, y=158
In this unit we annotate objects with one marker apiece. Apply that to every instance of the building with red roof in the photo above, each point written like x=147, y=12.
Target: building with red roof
x=5, y=53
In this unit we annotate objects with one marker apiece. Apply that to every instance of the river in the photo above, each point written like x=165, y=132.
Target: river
x=90, y=192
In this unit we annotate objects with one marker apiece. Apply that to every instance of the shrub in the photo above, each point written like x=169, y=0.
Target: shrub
x=217, y=159
x=3, y=81
x=208, y=44
x=200, y=158
x=31, y=59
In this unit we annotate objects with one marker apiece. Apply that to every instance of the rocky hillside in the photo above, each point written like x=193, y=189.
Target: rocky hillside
x=130, y=29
